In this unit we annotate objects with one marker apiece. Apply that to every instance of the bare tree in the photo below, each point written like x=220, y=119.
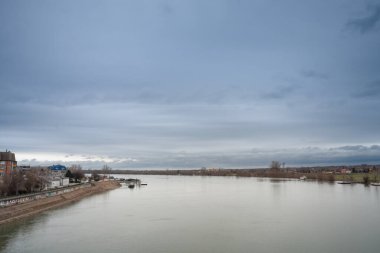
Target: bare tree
x=4, y=185
x=275, y=166
x=76, y=172
x=78, y=175
x=17, y=183
x=95, y=176
x=23, y=182
x=33, y=180
x=106, y=170
x=75, y=167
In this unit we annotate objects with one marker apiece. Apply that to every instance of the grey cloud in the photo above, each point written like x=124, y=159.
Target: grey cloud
x=166, y=8
x=367, y=23
x=259, y=158
x=375, y=147
x=359, y=148
x=314, y=74
x=351, y=148
x=280, y=92
x=190, y=127
x=370, y=90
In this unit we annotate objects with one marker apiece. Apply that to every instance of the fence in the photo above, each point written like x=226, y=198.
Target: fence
x=10, y=201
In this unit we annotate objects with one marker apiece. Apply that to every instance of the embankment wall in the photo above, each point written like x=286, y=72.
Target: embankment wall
x=51, y=200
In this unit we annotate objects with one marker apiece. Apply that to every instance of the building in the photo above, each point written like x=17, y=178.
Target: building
x=54, y=183
x=8, y=163
x=57, y=170
x=57, y=167
x=57, y=177
x=65, y=181
x=58, y=182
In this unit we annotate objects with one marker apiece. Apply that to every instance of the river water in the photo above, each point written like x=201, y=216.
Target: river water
x=185, y=214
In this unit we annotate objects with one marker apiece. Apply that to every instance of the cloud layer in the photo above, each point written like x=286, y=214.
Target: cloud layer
x=145, y=84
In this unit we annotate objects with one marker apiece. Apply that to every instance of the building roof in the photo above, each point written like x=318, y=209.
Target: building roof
x=7, y=156
x=57, y=167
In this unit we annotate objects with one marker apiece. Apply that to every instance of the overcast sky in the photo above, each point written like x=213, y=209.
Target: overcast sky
x=185, y=84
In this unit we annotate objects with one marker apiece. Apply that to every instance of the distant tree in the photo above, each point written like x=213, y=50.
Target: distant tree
x=331, y=178
x=69, y=174
x=17, y=183
x=4, y=185
x=106, y=170
x=43, y=178
x=275, y=165
x=75, y=167
x=95, y=176
x=33, y=180
x=75, y=172
x=366, y=180
x=23, y=182
x=78, y=175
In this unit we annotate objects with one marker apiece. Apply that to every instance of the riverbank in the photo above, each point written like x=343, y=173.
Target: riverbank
x=323, y=174
x=19, y=211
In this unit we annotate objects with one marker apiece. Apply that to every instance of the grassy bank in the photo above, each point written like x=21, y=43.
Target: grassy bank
x=358, y=177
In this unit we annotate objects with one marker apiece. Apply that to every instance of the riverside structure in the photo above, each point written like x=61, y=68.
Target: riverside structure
x=8, y=162
x=15, y=208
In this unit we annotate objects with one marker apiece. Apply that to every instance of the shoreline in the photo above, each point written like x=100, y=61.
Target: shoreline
x=322, y=175
x=20, y=211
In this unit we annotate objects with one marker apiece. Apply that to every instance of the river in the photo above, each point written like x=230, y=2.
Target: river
x=184, y=214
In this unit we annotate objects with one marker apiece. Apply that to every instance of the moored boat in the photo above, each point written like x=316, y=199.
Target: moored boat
x=344, y=182
x=132, y=182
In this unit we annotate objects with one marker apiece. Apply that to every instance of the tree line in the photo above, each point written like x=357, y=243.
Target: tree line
x=34, y=180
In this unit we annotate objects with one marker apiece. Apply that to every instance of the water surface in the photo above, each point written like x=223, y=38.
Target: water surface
x=208, y=214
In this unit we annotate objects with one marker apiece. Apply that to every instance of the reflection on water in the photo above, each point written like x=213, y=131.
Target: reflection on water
x=9, y=230
x=19, y=228
x=207, y=214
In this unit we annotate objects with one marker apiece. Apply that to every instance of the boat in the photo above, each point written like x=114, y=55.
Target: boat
x=344, y=182
x=303, y=178
x=132, y=182
x=376, y=184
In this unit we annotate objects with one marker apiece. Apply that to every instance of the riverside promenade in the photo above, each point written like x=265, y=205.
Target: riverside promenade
x=18, y=207
x=14, y=200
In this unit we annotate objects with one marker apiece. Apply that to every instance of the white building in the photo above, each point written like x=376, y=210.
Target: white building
x=65, y=181
x=55, y=183
x=58, y=182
